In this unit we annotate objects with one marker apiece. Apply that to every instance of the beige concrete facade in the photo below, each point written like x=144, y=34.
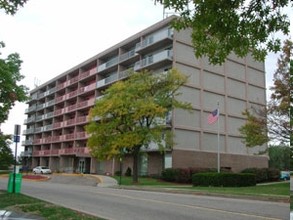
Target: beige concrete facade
x=57, y=112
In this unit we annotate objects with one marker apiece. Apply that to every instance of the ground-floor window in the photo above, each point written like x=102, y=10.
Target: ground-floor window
x=143, y=164
x=168, y=160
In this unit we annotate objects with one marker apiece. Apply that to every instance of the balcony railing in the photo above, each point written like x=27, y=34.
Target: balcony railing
x=29, y=131
x=88, y=73
x=73, y=80
x=112, y=78
x=30, y=120
x=127, y=55
x=108, y=64
x=156, y=58
x=71, y=94
x=61, y=86
x=59, y=111
x=31, y=109
x=27, y=142
x=87, y=88
x=157, y=37
x=65, y=151
x=27, y=153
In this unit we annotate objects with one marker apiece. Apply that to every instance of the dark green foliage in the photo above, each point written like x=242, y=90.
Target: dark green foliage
x=224, y=179
x=10, y=91
x=170, y=174
x=263, y=174
x=182, y=175
x=128, y=172
x=6, y=156
x=11, y=6
x=117, y=173
x=273, y=174
x=279, y=157
x=222, y=27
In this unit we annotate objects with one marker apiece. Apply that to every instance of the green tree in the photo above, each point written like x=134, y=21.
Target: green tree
x=6, y=156
x=131, y=115
x=280, y=103
x=274, y=120
x=279, y=157
x=255, y=128
x=11, y=6
x=10, y=91
x=220, y=27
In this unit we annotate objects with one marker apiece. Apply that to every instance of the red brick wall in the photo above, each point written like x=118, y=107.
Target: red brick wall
x=184, y=159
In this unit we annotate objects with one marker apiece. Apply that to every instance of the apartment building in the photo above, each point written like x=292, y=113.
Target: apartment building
x=58, y=109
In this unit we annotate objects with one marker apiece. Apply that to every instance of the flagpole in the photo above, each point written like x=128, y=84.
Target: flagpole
x=218, y=137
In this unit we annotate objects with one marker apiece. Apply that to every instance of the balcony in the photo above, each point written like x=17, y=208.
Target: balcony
x=58, y=111
x=57, y=125
x=28, y=131
x=48, y=92
x=27, y=142
x=71, y=94
x=60, y=98
x=110, y=79
x=108, y=64
x=88, y=73
x=69, y=137
x=86, y=104
x=30, y=120
x=81, y=135
x=154, y=61
x=159, y=39
x=74, y=151
x=87, y=88
x=70, y=108
x=81, y=120
x=73, y=80
x=69, y=122
x=27, y=153
x=48, y=115
x=61, y=85
x=31, y=109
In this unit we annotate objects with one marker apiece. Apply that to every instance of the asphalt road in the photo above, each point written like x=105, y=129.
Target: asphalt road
x=122, y=204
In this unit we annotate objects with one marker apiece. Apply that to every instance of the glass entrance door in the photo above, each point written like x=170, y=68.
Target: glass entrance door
x=81, y=165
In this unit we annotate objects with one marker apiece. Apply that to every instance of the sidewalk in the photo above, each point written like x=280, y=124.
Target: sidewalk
x=84, y=179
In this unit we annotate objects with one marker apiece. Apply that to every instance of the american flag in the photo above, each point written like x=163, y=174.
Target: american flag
x=213, y=116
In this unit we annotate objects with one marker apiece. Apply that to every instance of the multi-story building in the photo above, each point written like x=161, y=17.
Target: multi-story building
x=58, y=109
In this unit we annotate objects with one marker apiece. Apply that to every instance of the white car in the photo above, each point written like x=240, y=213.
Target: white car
x=42, y=170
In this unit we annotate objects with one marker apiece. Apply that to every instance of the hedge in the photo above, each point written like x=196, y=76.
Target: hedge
x=182, y=175
x=263, y=174
x=223, y=179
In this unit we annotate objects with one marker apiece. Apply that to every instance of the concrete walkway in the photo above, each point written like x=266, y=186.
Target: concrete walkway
x=83, y=179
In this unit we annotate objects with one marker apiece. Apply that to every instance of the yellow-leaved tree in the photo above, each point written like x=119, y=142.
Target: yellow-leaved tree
x=129, y=116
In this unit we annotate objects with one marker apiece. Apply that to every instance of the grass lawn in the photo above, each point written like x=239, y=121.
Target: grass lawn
x=142, y=181
x=280, y=189
x=21, y=203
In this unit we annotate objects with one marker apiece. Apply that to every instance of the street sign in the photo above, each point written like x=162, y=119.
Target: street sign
x=16, y=138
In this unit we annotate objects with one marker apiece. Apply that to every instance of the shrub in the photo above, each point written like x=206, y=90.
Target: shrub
x=182, y=175
x=170, y=174
x=128, y=171
x=273, y=174
x=223, y=179
x=264, y=174
x=117, y=173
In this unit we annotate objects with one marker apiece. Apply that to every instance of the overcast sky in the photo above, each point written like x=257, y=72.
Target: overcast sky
x=52, y=36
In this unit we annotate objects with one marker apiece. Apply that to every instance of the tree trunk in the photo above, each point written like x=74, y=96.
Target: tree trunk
x=135, y=167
